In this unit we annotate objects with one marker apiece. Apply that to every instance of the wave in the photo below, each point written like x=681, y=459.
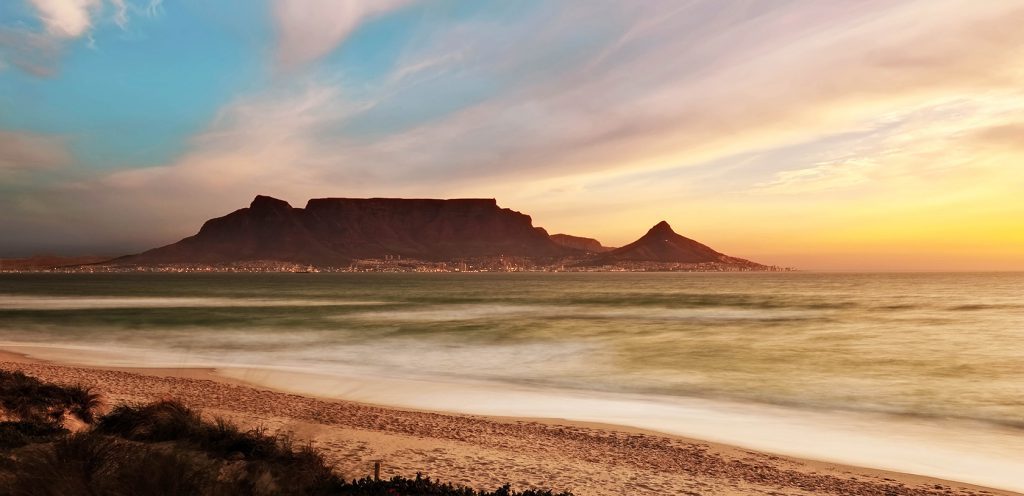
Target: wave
x=454, y=313
x=99, y=302
x=984, y=306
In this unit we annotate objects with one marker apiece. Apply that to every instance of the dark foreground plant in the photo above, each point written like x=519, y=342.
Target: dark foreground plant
x=20, y=433
x=166, y=448
x=30, y=399
x=87, y=463
x=424, y=486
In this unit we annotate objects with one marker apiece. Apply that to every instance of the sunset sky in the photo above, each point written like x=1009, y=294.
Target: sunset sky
x=847, y=135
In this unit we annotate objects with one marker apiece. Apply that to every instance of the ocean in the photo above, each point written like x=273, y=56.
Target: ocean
x=913, y=372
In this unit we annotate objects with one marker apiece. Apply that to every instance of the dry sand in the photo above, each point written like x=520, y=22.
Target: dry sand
x=481, y=452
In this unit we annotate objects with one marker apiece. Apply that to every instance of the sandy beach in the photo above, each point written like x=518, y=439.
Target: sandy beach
x=480, y=451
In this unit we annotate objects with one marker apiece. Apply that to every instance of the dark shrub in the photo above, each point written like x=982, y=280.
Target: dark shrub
x=30, y=399
x=174, y=473
x=89, y=463
x=272, y=461
x=423, y=486
x=17, y=434
x=224, y=439
x=82, y=402
x=76, y=464
x=155, y=422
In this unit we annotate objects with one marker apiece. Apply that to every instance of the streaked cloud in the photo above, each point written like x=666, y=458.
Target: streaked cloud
x=1009, y=134
x=120, y=13
x=946, y=136
x=21, y=151
x=36, y=54
x=810, y=124
x=310, y=29
x=252, y=145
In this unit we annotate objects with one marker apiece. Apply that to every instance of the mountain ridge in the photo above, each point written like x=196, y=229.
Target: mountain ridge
x=589, y=245
x=338, y=232
x=334, y=231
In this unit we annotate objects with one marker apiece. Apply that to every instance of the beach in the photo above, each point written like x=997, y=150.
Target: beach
x=487, y=451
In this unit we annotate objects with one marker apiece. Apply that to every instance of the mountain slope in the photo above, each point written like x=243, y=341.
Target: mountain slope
x=269, y=229
x=663, y=245
x=333, y=231
x=426, y=228
x=589, y=245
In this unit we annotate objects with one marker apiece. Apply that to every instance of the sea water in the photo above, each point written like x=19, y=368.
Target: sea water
x=913, y=372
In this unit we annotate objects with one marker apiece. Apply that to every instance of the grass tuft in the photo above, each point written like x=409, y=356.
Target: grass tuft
x=166, y=448
x=20, y=433
x=154, y=422
x=88, y=463
x=32, y=400
x=424, y=486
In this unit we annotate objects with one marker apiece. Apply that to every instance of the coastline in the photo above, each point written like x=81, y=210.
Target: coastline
x=589, y=458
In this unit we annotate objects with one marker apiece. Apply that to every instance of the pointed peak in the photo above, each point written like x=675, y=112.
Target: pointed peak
x=262, y=202
x=661, y=228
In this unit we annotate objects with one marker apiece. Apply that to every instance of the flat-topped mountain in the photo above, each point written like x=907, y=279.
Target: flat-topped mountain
x=662, y=244
x=589, y=245
x=413, y=234
x=333, y=231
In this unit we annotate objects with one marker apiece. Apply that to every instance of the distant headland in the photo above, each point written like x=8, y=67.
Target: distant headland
x=398, y=235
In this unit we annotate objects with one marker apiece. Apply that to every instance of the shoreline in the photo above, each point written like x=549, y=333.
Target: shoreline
x=487, y=450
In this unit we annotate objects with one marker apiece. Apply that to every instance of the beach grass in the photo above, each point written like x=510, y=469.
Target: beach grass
x=40, y=402
x=166, y=448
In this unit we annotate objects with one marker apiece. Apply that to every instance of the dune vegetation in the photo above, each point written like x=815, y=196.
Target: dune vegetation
x=53, y=441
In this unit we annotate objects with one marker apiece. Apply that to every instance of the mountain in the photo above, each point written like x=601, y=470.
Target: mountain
x=589, y=245
x=333, y=231
x=663, y=245
x=428, y=229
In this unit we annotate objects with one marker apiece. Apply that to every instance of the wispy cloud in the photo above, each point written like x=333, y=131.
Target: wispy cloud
x=120, y=13
x=153, y=8
x=822, y=176
x=254, y=145
x=63, y=21
x=310, y=29
x=946, y=136
x=682, y=85
x=630, y=104
x=22, y=151
x=1009, y=134
x=35, y=53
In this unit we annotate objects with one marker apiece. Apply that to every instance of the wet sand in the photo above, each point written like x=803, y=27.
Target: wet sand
x=480, y=451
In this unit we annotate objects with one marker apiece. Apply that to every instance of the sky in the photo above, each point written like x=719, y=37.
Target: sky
x=819, y=134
